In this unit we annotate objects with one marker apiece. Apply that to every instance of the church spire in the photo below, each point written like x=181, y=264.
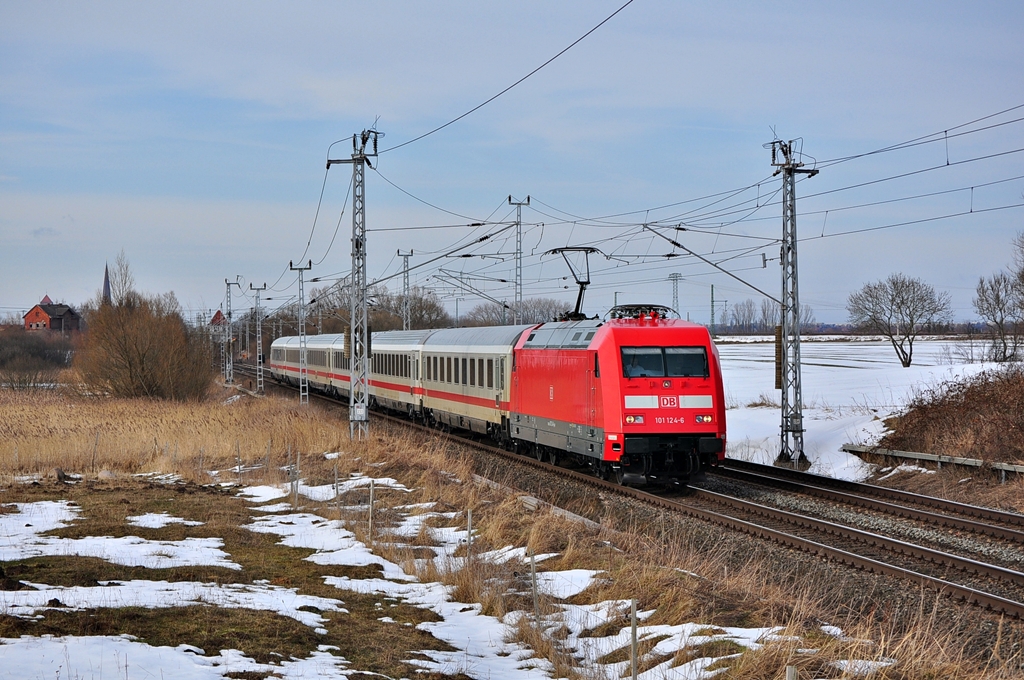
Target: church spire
x=106, y=285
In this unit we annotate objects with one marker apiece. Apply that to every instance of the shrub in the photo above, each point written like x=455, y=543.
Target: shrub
x=32, y=359
x=141, y=347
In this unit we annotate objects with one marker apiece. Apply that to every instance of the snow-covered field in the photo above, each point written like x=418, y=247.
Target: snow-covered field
x=482, y=645
x=849, y=389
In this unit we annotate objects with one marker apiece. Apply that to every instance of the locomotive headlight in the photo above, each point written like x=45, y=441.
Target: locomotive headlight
x=702, y=419
x=634, y=420
x=666, y=384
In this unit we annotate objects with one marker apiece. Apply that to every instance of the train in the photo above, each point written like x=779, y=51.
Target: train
x=635, y=398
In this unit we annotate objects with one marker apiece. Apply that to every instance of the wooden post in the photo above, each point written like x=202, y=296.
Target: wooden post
x=632, y=652
x=791, y=673
x=536, y=600
x=298, y=471
x=337, y=496
x=370, y=528
x=96, y=445
x=469, y=535
x=238, y=461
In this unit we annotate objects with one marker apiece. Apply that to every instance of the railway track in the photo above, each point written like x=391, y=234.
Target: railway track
x=994, y=587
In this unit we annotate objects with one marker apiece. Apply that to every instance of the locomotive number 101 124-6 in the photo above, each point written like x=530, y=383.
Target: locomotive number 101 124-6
x=669, y=420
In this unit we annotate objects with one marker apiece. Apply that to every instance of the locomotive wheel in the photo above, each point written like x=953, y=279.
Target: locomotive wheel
x=620, y=476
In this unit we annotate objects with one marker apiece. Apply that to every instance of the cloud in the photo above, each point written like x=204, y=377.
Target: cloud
x=45, y=231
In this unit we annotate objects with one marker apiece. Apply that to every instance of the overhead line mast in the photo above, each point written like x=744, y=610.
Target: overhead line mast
x=259, y=339
x=517, y=309
x=792, y=428
x=303, y=365
x=405, y=288
x=359, y=339
x=229, y=372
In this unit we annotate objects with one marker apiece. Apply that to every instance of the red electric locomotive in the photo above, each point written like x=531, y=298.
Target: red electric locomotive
x=637, y=396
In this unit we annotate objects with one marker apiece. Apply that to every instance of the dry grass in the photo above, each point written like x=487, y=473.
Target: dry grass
x=979, y=417
x=972, y=486
x=684, y=571
x=41, y=430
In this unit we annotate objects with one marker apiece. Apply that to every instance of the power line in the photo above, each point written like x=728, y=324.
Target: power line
x=417, y=198
x=491, y=99
x=974, y=211
x=924, y=139
x=336, y=227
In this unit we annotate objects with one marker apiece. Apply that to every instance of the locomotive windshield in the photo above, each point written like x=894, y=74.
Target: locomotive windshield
x=660, y=362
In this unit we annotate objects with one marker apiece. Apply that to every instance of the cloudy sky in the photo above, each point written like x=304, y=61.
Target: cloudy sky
x=194, y=136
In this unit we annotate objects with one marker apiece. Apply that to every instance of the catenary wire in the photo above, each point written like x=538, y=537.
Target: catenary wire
x=491, y=99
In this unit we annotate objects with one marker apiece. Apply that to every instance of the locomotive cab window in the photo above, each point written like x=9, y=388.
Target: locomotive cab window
x=658, y=362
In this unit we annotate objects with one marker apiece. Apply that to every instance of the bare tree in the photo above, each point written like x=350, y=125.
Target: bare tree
x=898, y=308
x=385, y=313
x=140, y=346
x=807, y=320
x=744, y=316
x=425, y=310
x=534, y=310
x=488, y=314
x=999, y=301
x=769, y=318
x=122, y=281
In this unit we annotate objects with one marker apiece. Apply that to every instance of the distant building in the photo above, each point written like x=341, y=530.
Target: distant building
x=49, y=316
x=218, y=319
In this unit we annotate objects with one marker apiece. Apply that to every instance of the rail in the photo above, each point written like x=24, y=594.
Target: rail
x=957, y=591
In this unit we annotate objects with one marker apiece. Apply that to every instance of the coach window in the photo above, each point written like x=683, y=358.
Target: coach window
x=448, y=375
x=490, y=372
x=464, y=370
x=472, y=372
x=480, y=371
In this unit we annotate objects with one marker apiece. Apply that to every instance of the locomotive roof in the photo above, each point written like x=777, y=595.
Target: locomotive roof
x=567, y=334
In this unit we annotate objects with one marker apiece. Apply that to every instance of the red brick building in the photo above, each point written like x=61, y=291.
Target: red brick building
x=49, y=316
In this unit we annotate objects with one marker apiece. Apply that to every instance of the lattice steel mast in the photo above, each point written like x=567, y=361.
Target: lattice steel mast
x=303, y=375
x=517, y=309
x=792, y=434
x=229, y=369
x=359, y=413
x=674, y=277
x=259, y=339
x=406, y=312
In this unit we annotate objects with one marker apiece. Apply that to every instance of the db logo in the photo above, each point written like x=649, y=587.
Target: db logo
x=670, y=402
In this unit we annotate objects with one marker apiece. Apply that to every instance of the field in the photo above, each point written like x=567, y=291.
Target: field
x=176, y=547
